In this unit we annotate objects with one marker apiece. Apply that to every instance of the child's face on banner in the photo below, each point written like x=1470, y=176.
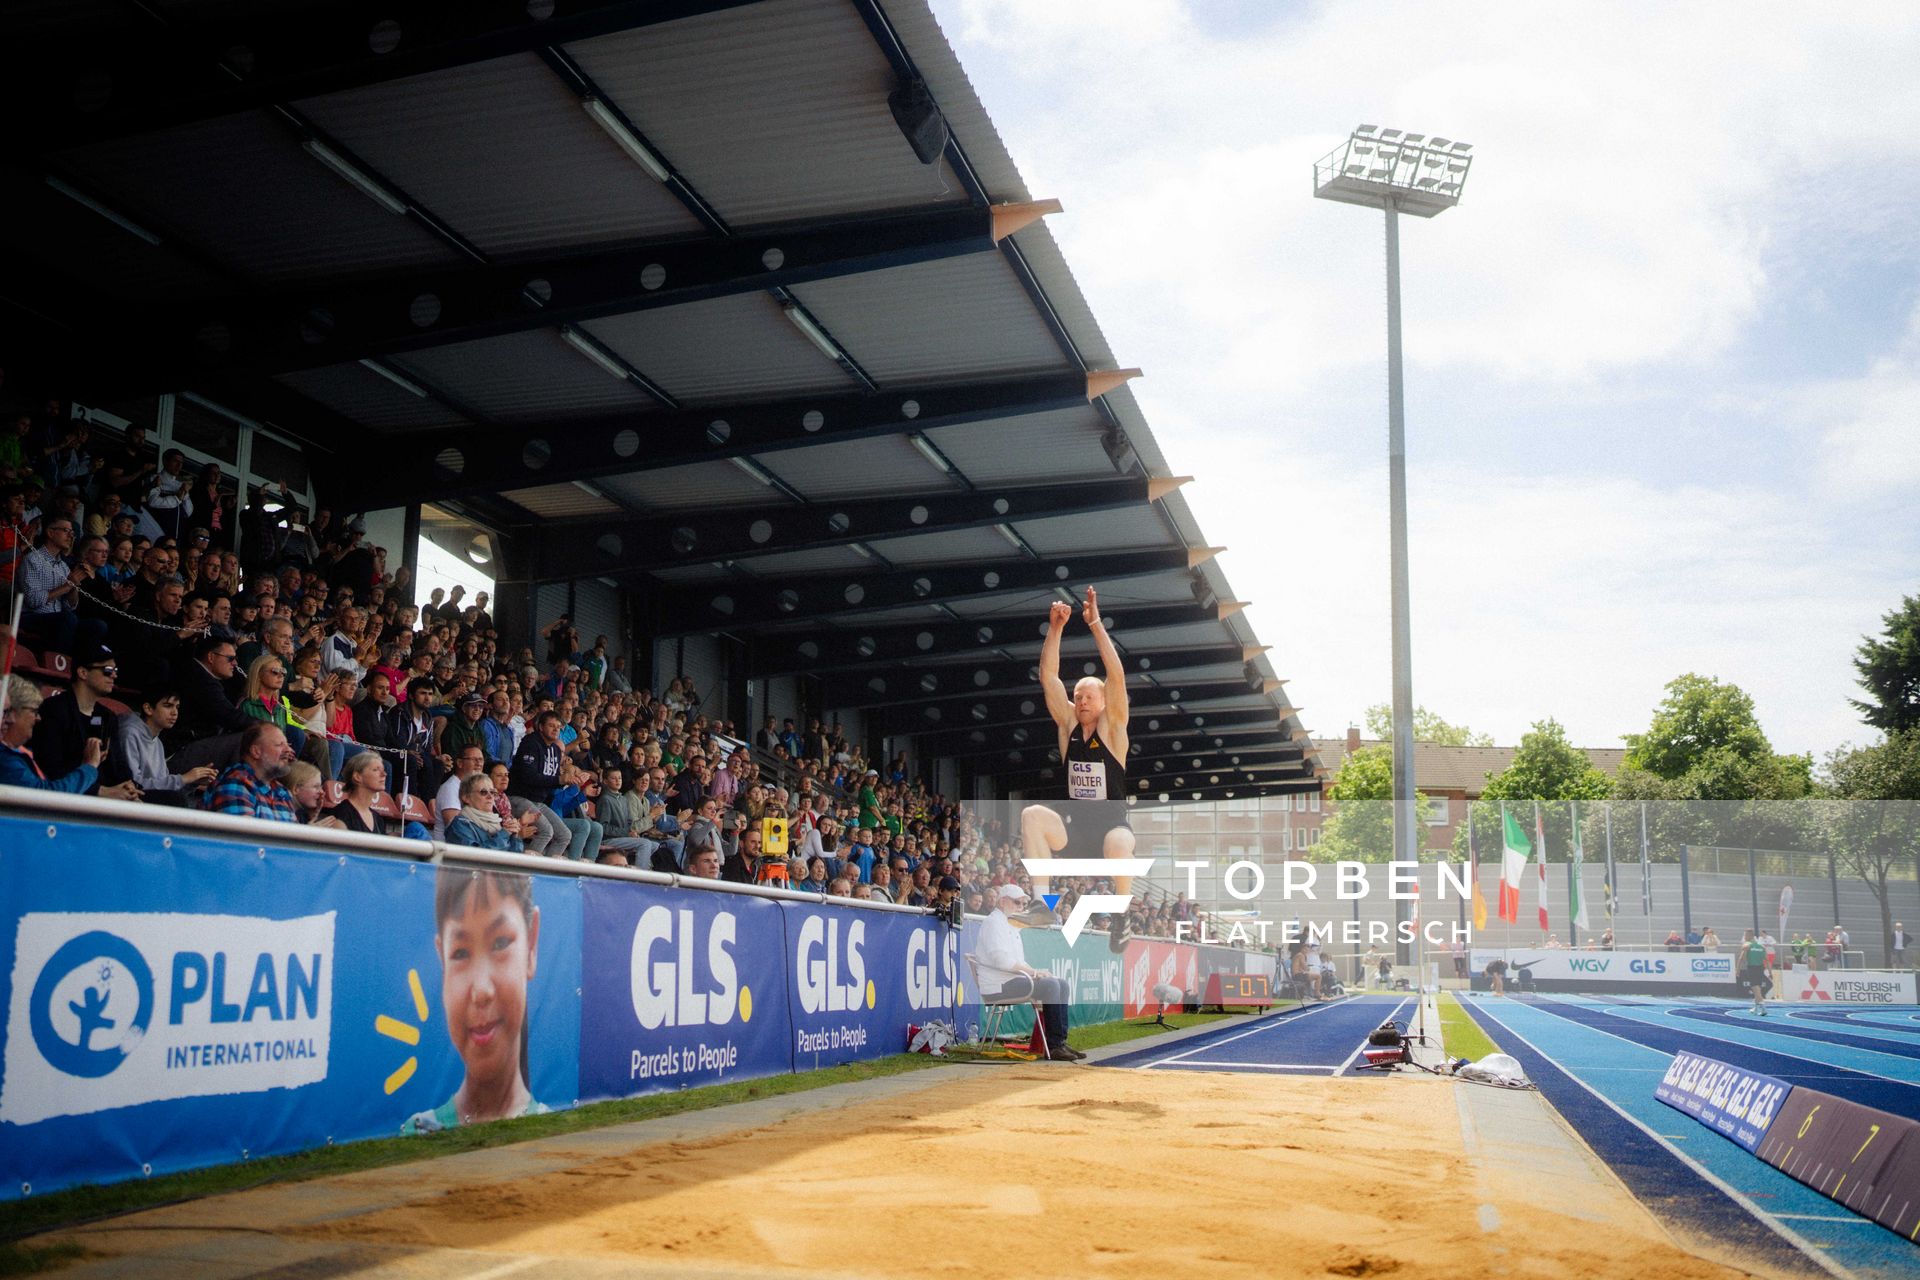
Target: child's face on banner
x=488, y=952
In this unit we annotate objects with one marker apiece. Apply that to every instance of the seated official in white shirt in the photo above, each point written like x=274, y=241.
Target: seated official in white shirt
x=1004, y=972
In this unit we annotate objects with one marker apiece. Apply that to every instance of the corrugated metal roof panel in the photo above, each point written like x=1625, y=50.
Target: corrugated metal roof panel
x=722, y=351
x=873, y=468
x=815, y=560
x=924, y=41
x=365, y=396
x=1165, y=588
x=1096, y=531
x=502, y=152
x=1061, y=445
x=689, y=488
x=954, y=545
x=562, y=501
x=773, y=112
x=94, y=251
x=523, y=376
x=948, y=320
x=299, y=219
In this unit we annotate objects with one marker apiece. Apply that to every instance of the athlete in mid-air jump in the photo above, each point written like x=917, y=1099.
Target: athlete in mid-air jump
x=1092, y=728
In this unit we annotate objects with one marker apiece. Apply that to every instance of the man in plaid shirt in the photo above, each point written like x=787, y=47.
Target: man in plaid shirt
x=251, y=787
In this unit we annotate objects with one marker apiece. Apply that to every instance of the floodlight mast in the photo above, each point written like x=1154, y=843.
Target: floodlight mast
x=1398, y=172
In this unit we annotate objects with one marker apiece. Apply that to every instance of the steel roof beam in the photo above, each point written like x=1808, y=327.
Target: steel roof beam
x=413, y=310
x=731, y=605
x=973, y=740
x=459, y=461
x=1244, y=791
x=1029, y=764
x=1014, y=708
x=1052, y=779
x=968, y=680
x=190, y=71
x=812, y=651
x=694, y=537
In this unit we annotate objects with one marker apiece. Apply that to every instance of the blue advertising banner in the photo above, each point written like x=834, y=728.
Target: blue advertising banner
x=681, y=988
x=859, y=978
x=175, y=1002
x=1736, y=1103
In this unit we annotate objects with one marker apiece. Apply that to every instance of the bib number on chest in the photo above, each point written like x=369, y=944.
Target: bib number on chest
x=1086, y=780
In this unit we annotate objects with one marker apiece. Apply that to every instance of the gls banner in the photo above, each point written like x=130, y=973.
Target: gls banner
x=129, y=1008
x=679, y=989
x=1729, y=1100
x=860, y=977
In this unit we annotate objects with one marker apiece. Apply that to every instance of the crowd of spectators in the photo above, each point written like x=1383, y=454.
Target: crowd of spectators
x=290, y=674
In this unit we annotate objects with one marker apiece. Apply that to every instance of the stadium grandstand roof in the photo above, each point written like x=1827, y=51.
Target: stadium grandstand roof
x=656, y=292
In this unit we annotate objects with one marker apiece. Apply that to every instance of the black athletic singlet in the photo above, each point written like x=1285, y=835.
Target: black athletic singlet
x=1093, y=773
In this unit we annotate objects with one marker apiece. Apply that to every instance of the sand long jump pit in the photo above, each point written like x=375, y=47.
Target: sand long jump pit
x=1011, y=1170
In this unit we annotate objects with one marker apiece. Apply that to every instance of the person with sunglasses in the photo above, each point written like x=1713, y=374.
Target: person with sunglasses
x=72, y=718
x=19, y=768
x=478, y=825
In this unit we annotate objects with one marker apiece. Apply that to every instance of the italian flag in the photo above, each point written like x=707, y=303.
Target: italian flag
x=1576, y=901
x=1514, y=853
x=1540, y=862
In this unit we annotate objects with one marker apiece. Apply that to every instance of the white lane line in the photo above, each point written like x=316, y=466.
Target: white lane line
x=1253, y=1066
x=1733, y=1193
x=1254, y=1031
x=1359, y=1048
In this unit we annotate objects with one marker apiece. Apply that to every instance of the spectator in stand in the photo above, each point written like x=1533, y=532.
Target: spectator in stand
x=704, y=863
x=18, y=768
x=168, y=501
x=213, y=506
x=1709, y=940
x=477, y=824
x=308, y=789
x=51, y=587
x=464, y=728
x=251, y=786
x=537, y=764
x=447, y=802
x=725, y=784
x=130, y=469
x=209, y=720
x=266, y=698
x=139, y=757
x=623, y=843
x=497, y=728
x=883, y=882
x=1675, y=941
x=410, y=730
x=71, y=718
x=617, y=681
x=365, y=780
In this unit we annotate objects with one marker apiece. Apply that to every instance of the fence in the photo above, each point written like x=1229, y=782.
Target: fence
x=190, y=989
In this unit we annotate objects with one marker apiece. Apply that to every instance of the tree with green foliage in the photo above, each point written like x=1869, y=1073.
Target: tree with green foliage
x=1872, y=824
x=1360, y=826
x=1427, y=727
x=1889, y=667
x=1548, y=768
x=1705, y=743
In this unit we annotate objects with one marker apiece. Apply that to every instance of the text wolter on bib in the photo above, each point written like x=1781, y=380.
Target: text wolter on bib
x=1086, y=780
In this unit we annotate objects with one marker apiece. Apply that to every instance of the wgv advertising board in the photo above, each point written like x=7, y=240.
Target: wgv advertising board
x=1610, y=970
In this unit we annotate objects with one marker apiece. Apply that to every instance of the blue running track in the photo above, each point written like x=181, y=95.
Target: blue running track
x=1598, y=1060
x=1319, y=1039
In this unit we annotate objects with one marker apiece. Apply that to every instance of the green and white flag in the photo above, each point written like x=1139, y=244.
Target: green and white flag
x=1576, y=901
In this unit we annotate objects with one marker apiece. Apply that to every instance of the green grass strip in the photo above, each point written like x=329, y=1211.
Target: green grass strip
x=1462, y=1035
x=76, y=1205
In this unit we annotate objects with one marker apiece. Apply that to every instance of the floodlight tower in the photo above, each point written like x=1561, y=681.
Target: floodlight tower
x=1399, y=172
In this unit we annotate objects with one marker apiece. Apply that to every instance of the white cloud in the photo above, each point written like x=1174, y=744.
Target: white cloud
x=1650, y=180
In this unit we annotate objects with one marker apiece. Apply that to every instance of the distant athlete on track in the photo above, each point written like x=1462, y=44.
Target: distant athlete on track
x=1092, y=728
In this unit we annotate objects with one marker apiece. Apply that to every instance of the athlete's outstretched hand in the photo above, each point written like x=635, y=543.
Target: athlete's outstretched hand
x=1059, y=614
x=1091, y=610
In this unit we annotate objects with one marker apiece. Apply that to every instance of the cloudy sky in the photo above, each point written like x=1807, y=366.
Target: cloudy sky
x=1663, y=361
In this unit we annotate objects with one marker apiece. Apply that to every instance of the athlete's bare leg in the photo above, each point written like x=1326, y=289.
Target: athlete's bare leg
x=1119, y=844
x=1042, y=835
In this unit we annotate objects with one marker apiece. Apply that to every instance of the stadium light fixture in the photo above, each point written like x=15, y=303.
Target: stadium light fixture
x=354, y=176
x=1397, y=188
x=86, y=201
x=616, y=128
x=593, y=351
x=753, y=469
x=810, y=328
x=1013, y=539
x=404, y=383
x=931, y=454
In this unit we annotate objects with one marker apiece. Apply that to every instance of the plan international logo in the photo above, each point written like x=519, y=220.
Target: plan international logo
x=1087, y=905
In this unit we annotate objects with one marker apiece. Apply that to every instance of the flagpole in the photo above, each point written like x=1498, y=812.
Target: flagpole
x=1646, y=877
x=1613, y=885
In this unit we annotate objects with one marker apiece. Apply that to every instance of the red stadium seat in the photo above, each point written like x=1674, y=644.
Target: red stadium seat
x=116, y=706
x=332, y=793
x=417, y=811
x=383, y=805
x=44, y=666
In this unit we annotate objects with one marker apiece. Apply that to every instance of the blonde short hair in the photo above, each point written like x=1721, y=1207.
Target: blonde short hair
x=22, y=693
x=299, y=774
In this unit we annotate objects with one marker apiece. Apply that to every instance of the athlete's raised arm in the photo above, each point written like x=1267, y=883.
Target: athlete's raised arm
x=1116, y=716
x=1059, y=705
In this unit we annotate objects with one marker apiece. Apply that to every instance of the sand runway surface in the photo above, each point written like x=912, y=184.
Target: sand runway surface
x=1027, y=1170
